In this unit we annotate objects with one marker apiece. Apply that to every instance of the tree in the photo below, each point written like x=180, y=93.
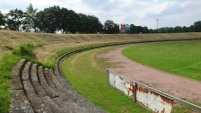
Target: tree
x=74, y=20
x=30, y=20
x=93, y=24
x=89, y=24
x=133, y=28
x=65, y=20
x=2, y=17
x=82, y=26
x=139, y=29
x=191, y=28
x=145, y=30
x=178, y=29
x=14, y=19
x=49, y=19
x=185, y=29
x=197, y=26
x=110, y=27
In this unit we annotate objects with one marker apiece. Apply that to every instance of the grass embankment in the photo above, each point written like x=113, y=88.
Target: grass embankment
x=86, y=74
x=57, y=42
x=181, y=58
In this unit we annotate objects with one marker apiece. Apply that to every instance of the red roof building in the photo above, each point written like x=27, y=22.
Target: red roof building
x=123, y=28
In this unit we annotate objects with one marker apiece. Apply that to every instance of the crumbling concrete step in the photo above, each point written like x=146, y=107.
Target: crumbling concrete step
x=19, y=101
x=39, y=90
x=35, y=82
x=49, y=90
x=48, y=78
x=35, y=101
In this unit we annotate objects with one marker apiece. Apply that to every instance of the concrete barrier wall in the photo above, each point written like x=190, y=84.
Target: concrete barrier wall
x=141, y=93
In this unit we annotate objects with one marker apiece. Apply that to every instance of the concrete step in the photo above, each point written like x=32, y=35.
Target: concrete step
x=19, y=101
x=36, y=103
x=35, y=82
x=49, y=78
x=49, y=90
x=41, y=90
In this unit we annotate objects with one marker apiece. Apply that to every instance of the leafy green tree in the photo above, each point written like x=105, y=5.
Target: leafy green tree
x=116, y=28
x=145, y=30
x=2, y=19
x=74, y=21
x=30, y=19
x=197, y=26
x=95, y=25
x=185, y=29
x=139, y=29
x=178, y=29
x=110, y=27
x=133, y=28
x=83, y=19
x=49, y=19
x=89, y=24
x=65, y=20
x=38, y=22
x=14, y=19
x=55, y=18
x=191, y=28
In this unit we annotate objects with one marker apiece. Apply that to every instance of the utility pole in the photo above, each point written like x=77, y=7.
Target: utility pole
x=157, y=24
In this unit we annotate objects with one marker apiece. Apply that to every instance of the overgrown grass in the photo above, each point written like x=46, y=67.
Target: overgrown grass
x=184, y=109
x=24, y=50
x=6, y=64
x=181, y=58
x=84, y=74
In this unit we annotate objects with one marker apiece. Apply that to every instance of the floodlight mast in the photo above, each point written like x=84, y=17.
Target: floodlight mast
x=157, y=23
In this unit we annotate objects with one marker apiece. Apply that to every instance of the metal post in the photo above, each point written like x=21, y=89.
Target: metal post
x=157, y=24
x=135, y=92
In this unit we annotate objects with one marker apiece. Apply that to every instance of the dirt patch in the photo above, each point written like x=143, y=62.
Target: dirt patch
x=175, y=85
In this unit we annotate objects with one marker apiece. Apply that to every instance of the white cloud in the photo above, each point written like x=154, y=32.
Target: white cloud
x=138, y=12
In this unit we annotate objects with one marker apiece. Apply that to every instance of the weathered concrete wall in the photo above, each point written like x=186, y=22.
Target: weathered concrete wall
x=141, y=93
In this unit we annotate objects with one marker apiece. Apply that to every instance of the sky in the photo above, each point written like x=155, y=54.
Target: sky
x=170, y=13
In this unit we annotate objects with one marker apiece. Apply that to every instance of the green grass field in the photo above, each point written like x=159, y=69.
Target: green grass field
x=181, y=58
x=86, y=75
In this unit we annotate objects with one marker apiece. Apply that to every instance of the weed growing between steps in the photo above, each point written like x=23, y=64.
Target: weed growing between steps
x=6, y=64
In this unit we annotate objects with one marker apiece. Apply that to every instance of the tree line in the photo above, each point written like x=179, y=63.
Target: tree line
x=54, y=19
x=50, y=20
x=196, y=27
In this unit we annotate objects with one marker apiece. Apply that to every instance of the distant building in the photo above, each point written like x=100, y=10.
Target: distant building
x=2, y=27
x=128, y=28
x=124, y=28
